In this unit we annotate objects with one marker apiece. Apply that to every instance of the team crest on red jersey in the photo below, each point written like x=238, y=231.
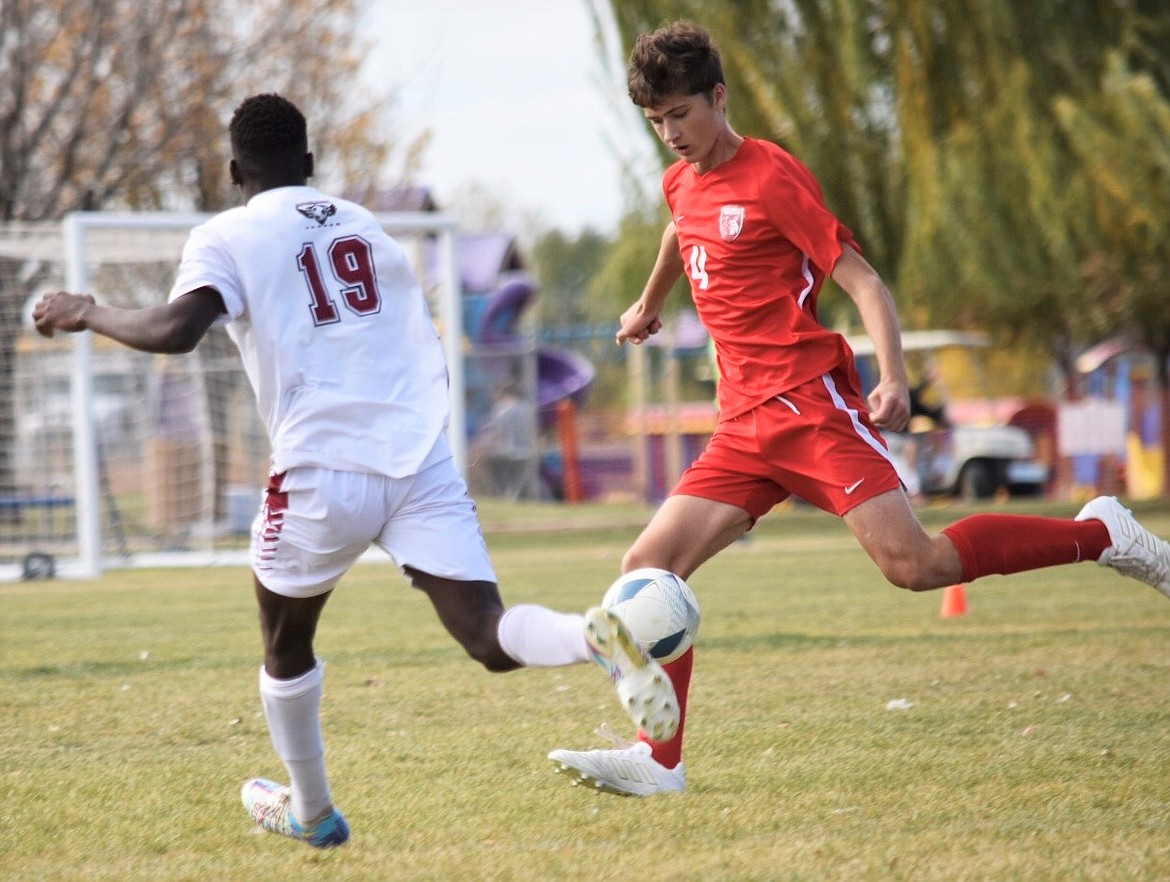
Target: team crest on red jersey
x=730, y=222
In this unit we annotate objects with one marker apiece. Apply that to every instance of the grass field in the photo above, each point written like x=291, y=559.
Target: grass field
x=1036, y=746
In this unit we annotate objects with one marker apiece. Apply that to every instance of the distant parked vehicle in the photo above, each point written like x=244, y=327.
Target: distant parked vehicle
x=967, y=461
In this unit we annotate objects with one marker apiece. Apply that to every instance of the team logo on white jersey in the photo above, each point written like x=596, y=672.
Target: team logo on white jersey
x=318, y=211
x=730, y=222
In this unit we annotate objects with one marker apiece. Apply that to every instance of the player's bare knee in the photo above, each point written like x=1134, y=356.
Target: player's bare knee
x=635, y=559
x=908, y=574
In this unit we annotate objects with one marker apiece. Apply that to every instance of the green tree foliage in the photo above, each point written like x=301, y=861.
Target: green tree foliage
x=807, y=75
x=619, y=281
x=1121, y=141
x=998, y=196
x=989, y=155
x=564, y=265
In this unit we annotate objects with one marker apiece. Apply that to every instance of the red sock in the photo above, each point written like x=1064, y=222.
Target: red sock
x=669, y=753
x=1001, y=543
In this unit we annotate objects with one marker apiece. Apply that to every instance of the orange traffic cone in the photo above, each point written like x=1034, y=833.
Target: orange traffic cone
x=954, y=602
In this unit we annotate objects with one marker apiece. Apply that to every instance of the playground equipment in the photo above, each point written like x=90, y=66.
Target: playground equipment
x=508, y=377
x=1124, y=409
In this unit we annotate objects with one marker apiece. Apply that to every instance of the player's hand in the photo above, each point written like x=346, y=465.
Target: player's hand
x=889, y=405
x=637, y=326
x=61, y=311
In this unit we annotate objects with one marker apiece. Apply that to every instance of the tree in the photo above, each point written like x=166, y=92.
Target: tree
x=564, y=267
x=1121, y=138
x=121, y=104
x=807, y=74
x=998, y=194
x=1005, y=164
x=112, y=103
x=933, y=126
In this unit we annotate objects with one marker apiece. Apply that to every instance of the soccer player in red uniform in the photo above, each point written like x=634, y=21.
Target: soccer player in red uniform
x=750, y=229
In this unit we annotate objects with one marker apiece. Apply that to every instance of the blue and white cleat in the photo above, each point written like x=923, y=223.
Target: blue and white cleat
x=643, y=688
x=268, y=804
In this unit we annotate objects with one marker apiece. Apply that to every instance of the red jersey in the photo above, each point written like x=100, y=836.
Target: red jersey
x=757, y=242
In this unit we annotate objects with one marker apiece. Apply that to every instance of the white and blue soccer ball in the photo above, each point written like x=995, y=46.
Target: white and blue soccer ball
x=659, y=610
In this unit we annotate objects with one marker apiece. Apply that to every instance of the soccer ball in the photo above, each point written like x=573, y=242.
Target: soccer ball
x=658, y=608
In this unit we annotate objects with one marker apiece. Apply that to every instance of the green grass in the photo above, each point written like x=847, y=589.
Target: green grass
x=1036, y=747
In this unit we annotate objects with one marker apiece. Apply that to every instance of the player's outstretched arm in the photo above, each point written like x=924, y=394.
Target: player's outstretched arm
x=172, y=327
x=643, y=318
x=889, y=401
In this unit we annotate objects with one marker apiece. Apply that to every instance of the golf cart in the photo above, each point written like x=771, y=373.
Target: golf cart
x=936, y=457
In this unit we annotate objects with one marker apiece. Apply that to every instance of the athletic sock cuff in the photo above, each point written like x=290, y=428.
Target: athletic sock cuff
x=967, y=556
x=297, y=686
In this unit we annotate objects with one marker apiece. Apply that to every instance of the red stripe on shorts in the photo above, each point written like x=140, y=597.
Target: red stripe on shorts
x=275, y=505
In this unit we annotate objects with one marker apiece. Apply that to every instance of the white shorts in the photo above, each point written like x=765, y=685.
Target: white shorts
x=315, y=523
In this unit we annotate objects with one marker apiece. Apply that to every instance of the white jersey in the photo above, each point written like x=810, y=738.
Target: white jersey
x=335, y=334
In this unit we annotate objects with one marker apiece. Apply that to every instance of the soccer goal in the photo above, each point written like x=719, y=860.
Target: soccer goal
x=110, y=457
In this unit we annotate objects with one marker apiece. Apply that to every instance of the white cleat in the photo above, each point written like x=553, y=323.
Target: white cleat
x=644, y=689
x=1135, y=552
x=629, y=771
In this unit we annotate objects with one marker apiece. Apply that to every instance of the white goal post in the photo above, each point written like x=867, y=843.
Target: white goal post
x=166, y=455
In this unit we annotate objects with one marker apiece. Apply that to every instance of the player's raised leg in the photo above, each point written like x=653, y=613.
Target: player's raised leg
x=533, y=636
x=1001, y=544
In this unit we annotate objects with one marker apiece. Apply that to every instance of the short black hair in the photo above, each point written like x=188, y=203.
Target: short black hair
x=269, y=137
x=678, y=59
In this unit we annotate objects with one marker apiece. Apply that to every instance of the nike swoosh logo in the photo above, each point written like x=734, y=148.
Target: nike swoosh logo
x=849, y=490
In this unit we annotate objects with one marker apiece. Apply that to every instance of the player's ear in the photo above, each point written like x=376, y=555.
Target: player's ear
x=308, y=165
x=719, y=96
x=234, y=173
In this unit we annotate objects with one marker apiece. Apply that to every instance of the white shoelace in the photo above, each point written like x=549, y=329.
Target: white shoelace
x=619, y=741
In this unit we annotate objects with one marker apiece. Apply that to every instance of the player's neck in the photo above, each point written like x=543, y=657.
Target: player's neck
x=724, y=148
x=254, y=188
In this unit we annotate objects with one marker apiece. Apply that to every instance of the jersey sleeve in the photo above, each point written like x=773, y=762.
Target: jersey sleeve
x=207, y=262
x=794, y=204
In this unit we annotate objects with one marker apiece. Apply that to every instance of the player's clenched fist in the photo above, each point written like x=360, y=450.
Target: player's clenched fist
x=637, y=326
x=61, y=311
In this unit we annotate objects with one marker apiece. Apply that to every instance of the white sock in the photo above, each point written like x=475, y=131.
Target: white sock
x=541, y=638
x=293, y=710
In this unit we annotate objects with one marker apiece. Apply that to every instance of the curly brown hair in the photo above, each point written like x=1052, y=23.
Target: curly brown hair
x=678, y=59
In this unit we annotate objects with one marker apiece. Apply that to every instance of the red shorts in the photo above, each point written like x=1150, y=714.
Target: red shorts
x=815, y=442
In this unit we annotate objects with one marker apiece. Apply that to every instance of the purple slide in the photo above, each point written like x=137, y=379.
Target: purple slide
x=560, y=374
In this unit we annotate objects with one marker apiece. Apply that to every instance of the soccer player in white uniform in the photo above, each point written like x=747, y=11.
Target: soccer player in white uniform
x=348, y=372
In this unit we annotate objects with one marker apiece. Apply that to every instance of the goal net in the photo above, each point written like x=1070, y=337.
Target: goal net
x=111, y=457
